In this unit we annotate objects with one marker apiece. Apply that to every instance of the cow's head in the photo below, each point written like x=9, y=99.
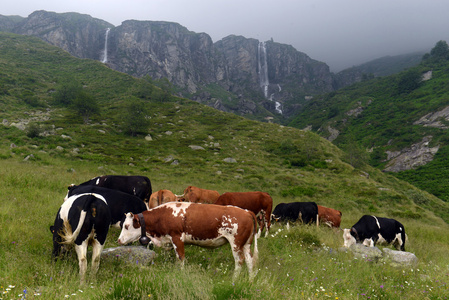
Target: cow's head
x=275, y=218
x=59, y=248
x=131, y=230
x=349, y=240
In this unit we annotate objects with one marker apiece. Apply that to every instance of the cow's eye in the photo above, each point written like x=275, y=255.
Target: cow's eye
x=126, y=227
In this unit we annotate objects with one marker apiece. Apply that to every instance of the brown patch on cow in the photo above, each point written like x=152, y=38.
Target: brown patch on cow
x=161, y=197
x=260, y=203
x=329, y=216
x=198, y=195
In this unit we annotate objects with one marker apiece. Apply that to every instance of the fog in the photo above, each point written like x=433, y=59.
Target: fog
x=341, y=33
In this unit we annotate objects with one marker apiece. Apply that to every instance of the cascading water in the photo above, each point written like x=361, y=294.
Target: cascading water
x=263, y=75
x=263, y=68
x=105, y=53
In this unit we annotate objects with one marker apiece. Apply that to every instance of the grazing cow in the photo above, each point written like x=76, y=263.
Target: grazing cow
x=306, y=212
x=139, y=186
x=82, y=220
x=161, y=197
x=329, y=216
x=119, y=203
x=371, y=229
x=257, y=202
x=211, y=226
x=197, y=195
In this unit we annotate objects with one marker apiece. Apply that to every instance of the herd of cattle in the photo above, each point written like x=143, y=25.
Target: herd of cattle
x=198, y=216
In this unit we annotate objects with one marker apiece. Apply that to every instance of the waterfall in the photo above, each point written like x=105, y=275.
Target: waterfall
x=263, y=68
x=263, y=75
x=105, y=52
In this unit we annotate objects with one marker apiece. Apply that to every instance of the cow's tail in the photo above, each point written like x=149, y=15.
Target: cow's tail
x=149, y=191
x=255, y=250
x=159, y=197
x=67, y=235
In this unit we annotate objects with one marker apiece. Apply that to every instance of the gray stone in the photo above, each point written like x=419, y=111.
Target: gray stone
x=137, y=255
x=194, y=147
x=399, y=258
x=229, y=160
x=368, y=253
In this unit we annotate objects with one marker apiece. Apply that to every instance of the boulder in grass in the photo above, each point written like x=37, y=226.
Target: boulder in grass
x=399, y=258
x=368, y=253
x=137, y=255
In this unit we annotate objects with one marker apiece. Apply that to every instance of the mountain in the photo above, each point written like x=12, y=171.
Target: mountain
x=402, y=121
x=384, y=66
x=226, y=75
x=256, y=79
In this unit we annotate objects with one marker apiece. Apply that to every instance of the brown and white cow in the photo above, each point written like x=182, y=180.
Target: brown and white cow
x=198, y=195
x=259, y=203
x=211, y=226
x=329, y=216
x=161, y=197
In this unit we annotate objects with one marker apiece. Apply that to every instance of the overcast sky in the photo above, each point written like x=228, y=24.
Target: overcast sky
x=341, y=33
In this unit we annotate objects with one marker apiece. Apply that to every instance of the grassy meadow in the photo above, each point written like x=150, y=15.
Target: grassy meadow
x=303, y=262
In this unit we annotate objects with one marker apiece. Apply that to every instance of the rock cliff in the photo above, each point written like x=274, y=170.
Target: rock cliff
x=226, y=74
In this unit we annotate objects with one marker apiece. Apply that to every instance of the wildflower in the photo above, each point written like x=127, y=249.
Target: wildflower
x=381, y=286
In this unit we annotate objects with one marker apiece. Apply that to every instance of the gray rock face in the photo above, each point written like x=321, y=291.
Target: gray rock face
x=137, y=255
x=417, y=155
x=399, y=258
x=187, y=59
x=392, y=257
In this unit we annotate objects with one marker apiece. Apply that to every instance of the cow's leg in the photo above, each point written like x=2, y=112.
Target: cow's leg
x=178, y=244
x=239, y=258
x=81, y=252
x=97, y=247
x=267, y=217
x=249, y=261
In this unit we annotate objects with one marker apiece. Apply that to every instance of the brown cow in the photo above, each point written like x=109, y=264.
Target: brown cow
x=161, y=197
x=197, y=195
x=259, y=203
x=329, y=216
x=211, y=226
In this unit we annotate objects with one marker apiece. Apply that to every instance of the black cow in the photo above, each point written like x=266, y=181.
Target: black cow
x=304, y=211
x=371, y=229
x=82, y=220
x=119, y=203
x=139, y=186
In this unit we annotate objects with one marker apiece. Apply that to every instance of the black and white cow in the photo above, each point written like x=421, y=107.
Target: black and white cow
x=119, y=203
x=370, y=230
x=82, y=220
x=139, y=186
x=304, y=211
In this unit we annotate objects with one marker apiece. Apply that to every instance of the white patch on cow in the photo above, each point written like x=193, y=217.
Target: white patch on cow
x=381, y=239
x=98, y=181
x=165, y=242
x=179, y=208
x=65, y=207
x=134, y=191
x=368, y=242
x=348, y=239
x=377, y=221
x=116, y=225
x=129, y=234
x=398, y=242
x=207, y=243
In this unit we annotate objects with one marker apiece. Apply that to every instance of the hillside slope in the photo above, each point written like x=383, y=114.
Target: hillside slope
x=233, y=151
x=401, y=120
